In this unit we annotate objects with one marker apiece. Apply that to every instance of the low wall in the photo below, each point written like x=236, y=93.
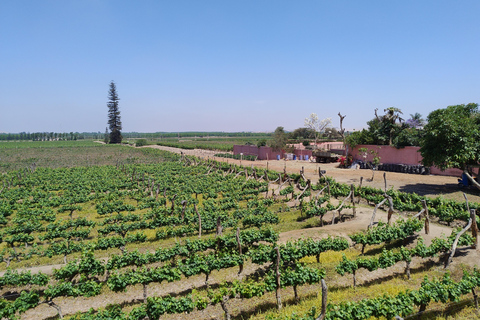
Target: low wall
x=246, y=150
x=389, y=154
x=406, y=155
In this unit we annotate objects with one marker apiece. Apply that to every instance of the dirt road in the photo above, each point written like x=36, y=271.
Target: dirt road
x=427, y=185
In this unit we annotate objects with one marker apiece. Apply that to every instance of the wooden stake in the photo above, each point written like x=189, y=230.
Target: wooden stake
x=324, y=301
x=474, y=229
x=353, y=200
x=455, y=243
x=240, y=266
x=277, y=291
x=374, y=212
x=199, y=221
x=427, y=217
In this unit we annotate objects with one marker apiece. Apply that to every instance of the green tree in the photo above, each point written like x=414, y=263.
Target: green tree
x=408, y=137
x=261, y=143
x=452, y=138
x=387, y=129
x=388, y=122
x=302, y=133
x=106, y=136
x=279, y=140
x=114, y=121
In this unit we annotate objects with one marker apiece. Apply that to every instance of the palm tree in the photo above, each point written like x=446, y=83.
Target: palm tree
x=416, y=121
x=391, y=116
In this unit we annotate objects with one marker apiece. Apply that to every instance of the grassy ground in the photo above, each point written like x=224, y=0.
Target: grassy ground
x=55, y=154
x=215, y=143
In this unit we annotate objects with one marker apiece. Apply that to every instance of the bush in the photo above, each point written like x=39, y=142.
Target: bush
x=141, y=142
x=261, y=143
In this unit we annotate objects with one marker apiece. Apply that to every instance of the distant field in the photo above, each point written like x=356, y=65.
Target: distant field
x=212, y=143
x=55, y=154
x=46, y=144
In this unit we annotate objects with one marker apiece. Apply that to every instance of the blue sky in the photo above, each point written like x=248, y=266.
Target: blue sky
x=231, y=65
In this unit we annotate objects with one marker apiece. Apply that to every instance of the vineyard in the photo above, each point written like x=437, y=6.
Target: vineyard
x=184, y=237
x=211, y=143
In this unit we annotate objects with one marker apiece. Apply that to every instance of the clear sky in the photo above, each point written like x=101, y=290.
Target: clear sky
x=243, y=65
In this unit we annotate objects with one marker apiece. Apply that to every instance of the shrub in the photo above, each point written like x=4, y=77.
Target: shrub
x=141, y=142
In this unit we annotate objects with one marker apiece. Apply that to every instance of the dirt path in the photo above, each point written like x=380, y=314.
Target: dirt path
x=427, y=185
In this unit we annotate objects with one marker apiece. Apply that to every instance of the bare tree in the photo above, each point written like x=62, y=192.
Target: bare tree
x=317, y=125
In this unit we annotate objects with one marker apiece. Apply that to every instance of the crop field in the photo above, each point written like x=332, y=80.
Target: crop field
x=55, y=154
x=92, y=231
x=211, y=143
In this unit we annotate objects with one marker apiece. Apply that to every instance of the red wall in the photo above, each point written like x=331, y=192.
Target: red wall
x=407, y=155
x=389, y=154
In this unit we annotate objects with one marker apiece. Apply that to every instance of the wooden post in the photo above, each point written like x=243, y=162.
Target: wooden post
x=474, y=229
x=390, y=208
x=240, y=266
x=184, y=204
x=324, y=300
x=374, y=212
x=173, y=203
x=455, y=243
x=199, y=221
x=144, y=292
x=219, y=228
x=165, y=195
x=427, y=217
x=339, y=209
x=223, y=303
x=475, y=298
x=57, y=307
x=385, y=179
x=474, y=223
x=466, y=201
x=353, y=201
x=277, y=291
x=407, y=269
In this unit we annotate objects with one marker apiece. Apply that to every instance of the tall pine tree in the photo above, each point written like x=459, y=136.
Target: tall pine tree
x=114, y=122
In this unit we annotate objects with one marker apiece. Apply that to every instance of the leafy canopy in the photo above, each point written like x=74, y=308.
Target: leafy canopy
x=390, y=129
x=279, y=139
x=452, y=137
